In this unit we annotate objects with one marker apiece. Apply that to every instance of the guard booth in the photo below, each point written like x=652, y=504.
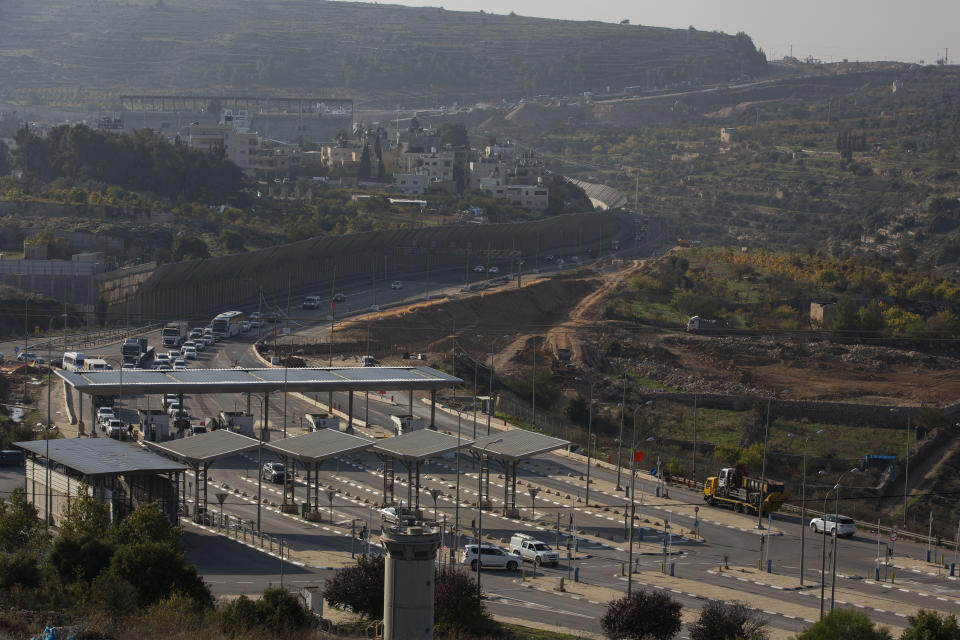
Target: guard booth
x=154, y=425
x=318, y=421
x=406, y=423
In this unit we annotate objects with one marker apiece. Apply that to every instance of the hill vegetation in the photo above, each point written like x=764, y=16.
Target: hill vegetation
x=324, y=47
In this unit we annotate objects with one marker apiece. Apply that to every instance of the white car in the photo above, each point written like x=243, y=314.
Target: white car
x=491, y=557
x=114, y=428
x=179, y=365
x=479, y=268
x=396, y=284
x=845, y=526
x=190, y=353
x=494, y=270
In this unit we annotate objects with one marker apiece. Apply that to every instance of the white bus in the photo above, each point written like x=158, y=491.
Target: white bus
x=227, y=324
x=74, y=361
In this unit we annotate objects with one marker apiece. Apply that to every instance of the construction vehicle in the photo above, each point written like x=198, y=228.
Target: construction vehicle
x=735, y=488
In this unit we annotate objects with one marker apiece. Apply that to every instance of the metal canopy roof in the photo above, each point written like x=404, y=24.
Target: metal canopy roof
x=309, y=380
x=101, y=456
x=418, y=445
x=518, y=444
x=205, y=447
x=317, y=446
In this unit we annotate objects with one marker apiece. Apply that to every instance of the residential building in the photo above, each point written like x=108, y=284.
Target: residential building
x=412, y=184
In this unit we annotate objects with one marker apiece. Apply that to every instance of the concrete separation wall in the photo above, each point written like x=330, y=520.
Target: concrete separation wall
x=200, y=288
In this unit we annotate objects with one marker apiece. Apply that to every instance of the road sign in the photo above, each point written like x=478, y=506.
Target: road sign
x=696, y=509
x=893, y=536
x=16, y=349
x=696, y=523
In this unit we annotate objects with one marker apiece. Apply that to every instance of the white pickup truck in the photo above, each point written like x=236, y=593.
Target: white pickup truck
x=533, y=550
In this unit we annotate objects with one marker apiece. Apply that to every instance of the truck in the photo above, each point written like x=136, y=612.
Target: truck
x=532, y=550
x=174, y=333
x=735, y=488
x=406, y=423
x=135, y=351
x=318, y=421
x=696, y=323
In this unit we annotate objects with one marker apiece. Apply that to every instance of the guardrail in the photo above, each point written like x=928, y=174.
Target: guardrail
x=85, y=340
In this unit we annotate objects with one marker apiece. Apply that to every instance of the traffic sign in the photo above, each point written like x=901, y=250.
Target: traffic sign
x=696, y=509
x=893, y=536
x=16, y=349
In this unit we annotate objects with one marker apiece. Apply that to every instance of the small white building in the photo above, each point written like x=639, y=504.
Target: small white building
x=411, y=184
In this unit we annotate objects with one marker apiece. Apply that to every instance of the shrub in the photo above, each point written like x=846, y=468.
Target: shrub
x=643, y=615
x=930, y=625
x=359, y=588
x=458, y=608
x=723, y=621
x=846, y=624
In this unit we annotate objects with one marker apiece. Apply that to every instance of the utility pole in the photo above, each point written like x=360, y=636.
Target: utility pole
x=763, y=469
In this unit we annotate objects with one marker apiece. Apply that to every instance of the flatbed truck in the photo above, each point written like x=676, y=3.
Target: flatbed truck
x=735, y=488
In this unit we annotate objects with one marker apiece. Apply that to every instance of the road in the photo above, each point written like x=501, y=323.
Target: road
x=598, y=530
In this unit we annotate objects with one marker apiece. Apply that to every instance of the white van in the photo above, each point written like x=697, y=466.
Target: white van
x=74, y=361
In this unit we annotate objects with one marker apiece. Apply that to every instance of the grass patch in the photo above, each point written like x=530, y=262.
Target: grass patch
x=517, y=632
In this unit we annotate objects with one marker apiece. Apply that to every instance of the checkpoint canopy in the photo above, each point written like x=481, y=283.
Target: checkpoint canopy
x=310, y=450
x=517, y=445
x=412, y=449
x=112, y=471
x=261, y=380
x=200, y=452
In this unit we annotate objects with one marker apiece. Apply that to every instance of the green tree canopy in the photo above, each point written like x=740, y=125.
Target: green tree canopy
x=643, y=615
x=846, y=624
x=930, y=625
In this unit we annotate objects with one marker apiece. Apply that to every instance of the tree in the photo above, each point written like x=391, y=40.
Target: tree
x=363, y=171
x=5, y=160
x=20, y=526
x=87, y=517
x=930, y=625
x=576, y=410
x=232, y=240
x=454, y=134
x=358, y=588
x=156, y=570
x=727, y=621
x=458, y=608
x=189, y=247
x=846, y=624
x=643, y=615
x=147, y=523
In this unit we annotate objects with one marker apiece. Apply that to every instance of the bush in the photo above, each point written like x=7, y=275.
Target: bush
x=846, y=624
x=723, y=621
x=458, y=608
x=643, y=615
x=358, y=589
x=929, y=625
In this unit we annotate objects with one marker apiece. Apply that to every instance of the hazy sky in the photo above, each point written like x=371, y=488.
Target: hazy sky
x=907, y=30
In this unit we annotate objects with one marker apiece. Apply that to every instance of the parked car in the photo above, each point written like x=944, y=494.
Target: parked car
x=273, y=472
x=846, y=527
x=491, y=557
x=494, y=270
x=396, y=284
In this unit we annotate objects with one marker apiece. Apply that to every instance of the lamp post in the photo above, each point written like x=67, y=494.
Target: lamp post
x=490, y=393
x=823, y=549
x=836, y=541
x=435, y=493
x=623, y=407
x=260, y=462
x=533, y=491
x=589, y=434
x=763, y=469
x=633, y=504
x=49, y=491
x=456, y=526
x=803, y=498
x=480, y=509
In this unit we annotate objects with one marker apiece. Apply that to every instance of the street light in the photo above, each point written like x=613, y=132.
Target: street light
x=633, y=504
x=836, y=542
x=480, y=509
x=803, y=498
x=456, y=542
x=490, y=408
x=589, y=433
x=823, y=549
x=533, y=491
x=763, y=470
x=260, y=461
x=49, y=495
x=623, y=407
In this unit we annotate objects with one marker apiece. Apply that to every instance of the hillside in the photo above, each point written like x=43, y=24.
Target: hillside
x=324, y=48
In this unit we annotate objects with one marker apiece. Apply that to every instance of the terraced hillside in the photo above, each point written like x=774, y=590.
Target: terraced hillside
x=72, y=51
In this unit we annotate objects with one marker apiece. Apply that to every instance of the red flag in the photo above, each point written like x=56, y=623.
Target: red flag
x=638, y=456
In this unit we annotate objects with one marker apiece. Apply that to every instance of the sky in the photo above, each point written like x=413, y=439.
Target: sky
x=830, y=30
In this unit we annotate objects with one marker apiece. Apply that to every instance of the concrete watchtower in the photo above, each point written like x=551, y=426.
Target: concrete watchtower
x=409, y=580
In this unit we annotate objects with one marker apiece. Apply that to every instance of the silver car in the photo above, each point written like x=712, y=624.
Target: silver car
x=846, y=527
